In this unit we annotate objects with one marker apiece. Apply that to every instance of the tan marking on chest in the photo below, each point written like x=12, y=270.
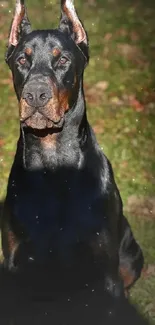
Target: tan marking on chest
x=127, y=278
x=49, y=141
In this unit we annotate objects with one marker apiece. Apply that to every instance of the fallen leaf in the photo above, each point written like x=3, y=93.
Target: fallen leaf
x=99, y=127
x=6, y=81
x=102, y=85
x=107, y=37
x=2, y=142
x=132, y=53
x=138, y=107
x=134, y=36
x=121, y=32
x=149, y=307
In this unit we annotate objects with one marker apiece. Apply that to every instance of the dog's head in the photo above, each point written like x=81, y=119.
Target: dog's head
x=47, y=66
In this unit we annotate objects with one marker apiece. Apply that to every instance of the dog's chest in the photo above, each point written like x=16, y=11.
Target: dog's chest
x=60, y=210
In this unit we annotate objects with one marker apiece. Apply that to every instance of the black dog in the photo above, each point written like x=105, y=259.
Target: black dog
x=63, y=207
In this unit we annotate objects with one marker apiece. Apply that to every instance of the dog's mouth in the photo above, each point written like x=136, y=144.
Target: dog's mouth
x=52, y=115
x=41, y=119
x=43, y=133
x=40, y=122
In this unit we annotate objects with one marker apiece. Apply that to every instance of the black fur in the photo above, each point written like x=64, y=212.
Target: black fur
x=62, y=205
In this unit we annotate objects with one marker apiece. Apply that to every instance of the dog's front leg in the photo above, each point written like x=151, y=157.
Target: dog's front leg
x=10, y=243
x=106, y=256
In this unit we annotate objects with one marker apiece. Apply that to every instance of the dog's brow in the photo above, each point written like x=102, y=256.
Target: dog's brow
x=28, y=51
x=56, y=51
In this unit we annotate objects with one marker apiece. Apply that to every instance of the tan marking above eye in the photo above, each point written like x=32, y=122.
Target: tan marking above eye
x=56, y=51
x=28, y=51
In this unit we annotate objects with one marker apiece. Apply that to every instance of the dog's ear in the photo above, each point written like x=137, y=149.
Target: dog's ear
x=71, y=24
x=20, y=26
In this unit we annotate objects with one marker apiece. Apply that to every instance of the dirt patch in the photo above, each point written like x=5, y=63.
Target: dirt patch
x=132, y=53
x=148, y=271
x=141, y=206
x=96, y=93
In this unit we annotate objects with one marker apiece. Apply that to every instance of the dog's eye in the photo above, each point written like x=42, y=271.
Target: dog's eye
x=22, y=60
x=63, y=60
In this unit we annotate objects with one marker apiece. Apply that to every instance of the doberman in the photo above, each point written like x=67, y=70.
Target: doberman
x=63, y=207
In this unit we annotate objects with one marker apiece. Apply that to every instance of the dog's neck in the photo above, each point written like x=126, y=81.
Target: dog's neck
x=43, y=149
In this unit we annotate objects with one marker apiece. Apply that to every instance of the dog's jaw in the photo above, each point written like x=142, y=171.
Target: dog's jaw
x=51, y=116
x=39, y=122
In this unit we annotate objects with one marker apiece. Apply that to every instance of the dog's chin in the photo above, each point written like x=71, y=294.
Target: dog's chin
x=38, y=125
x=41, y=125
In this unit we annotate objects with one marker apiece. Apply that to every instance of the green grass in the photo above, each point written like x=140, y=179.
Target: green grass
x=119, y=86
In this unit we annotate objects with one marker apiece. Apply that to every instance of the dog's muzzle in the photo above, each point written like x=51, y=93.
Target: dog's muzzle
x=39, y=108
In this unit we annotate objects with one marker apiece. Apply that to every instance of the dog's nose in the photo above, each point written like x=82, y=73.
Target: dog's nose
x=37, y=95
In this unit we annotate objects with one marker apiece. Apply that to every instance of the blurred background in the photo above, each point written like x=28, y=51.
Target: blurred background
x=120, y=92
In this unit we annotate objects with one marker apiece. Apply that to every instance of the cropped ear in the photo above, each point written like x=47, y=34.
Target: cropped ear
x=20, y=26
x=71, y=24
